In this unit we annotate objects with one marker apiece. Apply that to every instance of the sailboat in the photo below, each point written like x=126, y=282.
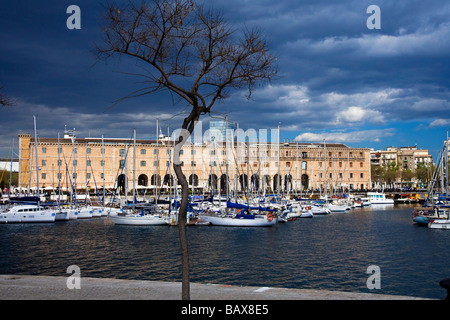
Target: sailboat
x=243, y=218
x=138, y=215
x=29, y=212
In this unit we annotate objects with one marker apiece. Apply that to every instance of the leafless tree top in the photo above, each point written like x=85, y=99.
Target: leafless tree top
x=5, y=101
x=188, y=49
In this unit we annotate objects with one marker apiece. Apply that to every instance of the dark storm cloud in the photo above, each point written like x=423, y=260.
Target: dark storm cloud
x=337, y=77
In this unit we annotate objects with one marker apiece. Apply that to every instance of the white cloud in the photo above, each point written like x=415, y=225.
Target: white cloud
x=422, y=42
x=440, y=123
x=358, y=114
x=346, y=137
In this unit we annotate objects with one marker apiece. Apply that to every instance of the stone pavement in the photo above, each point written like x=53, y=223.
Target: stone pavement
x=26, y=287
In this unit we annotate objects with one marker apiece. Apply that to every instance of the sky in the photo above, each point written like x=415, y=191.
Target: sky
x=338, y=80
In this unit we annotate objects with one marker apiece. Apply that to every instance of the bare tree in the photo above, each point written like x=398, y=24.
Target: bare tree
x=190, y=50
x=5, y=101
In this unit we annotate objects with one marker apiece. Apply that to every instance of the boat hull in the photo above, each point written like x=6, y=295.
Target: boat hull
x=137, y=220
x=443, y=224
x=233, y=222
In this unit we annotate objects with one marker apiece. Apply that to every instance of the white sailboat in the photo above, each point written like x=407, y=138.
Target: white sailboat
x=61, y=214
x=138, y=216
x=443, y=224
x=241, y=219
x=29, y=212
x=139, y=219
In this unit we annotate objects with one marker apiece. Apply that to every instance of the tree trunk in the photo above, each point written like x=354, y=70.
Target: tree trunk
x=185, y=287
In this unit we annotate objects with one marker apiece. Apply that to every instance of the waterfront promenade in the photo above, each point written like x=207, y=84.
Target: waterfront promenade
x=27, y=287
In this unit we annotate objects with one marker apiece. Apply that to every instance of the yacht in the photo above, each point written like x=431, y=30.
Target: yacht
x=27, y=213
x=379, y=198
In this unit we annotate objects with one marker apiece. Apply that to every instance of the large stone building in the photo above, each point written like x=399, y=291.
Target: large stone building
x=301, y=166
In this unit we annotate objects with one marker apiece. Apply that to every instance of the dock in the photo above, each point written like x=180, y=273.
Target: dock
x=30, y=287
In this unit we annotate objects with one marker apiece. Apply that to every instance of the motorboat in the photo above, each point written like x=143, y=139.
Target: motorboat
x=28, y=213
x=379, y=198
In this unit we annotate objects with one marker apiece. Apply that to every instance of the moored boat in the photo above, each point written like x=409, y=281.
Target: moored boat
x=242, y=219
x=139, y=219
x=27, y=214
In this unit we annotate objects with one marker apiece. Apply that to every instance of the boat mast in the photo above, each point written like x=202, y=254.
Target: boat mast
x=278, y=176
x=10, y=170
x=37, y=171
x=226, y=162
x=446, y=167
x=134, y=166
x=103, y=162
x=157, y=162
x=59, y=176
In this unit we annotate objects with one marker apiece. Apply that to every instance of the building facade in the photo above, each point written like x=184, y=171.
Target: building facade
x=404, y=158
x=146, y=165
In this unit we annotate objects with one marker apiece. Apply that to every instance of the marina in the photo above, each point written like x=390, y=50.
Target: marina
x=328, y=252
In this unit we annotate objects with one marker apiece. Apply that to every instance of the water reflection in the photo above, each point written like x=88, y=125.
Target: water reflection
x=327, y=252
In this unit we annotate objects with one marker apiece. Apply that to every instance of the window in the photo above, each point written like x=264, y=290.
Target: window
x=88, y=175
x=155, y=151
x=155, y=163
x=102, y=163
x=351, y=175
x=192, y=152
x=288, y=164
x=102, y=176
x=340, y=164
x=74, y=163
x=59, y=163
x=143, y=151
x=59, y=176
x=121, y=164
x=103, y=150
x=44, y=163
x=360, y=164
x=44, y=175
x=304, y=165
x=122, y=152
x=362, y=175
x=88, y=163
x=287, y=153
x=143, y=163
x=193, y=163
x=351, y=164
x=44, y=150
x=304, y=155
x=88, y=150
x=59, y=150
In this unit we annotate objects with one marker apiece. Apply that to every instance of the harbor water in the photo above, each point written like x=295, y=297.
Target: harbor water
x=330, y=252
